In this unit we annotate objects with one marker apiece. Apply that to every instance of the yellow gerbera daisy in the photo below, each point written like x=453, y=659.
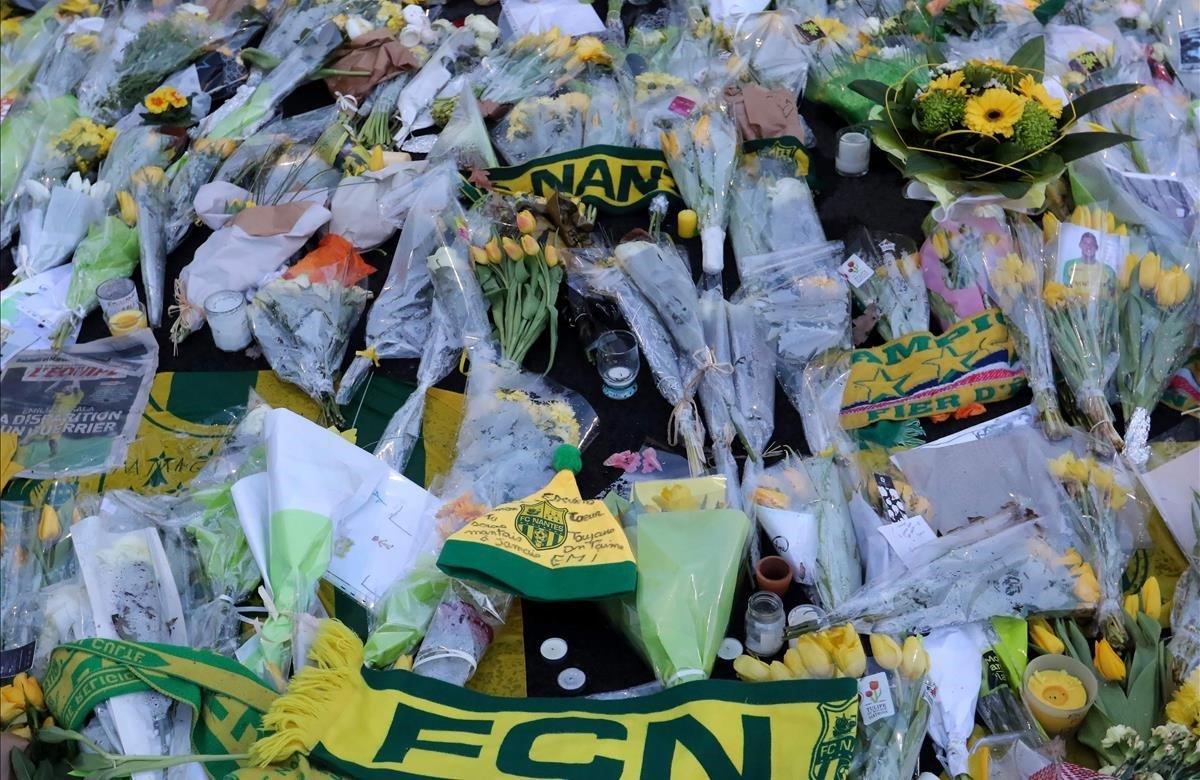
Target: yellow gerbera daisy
x=950, y=82
x=994, y=112
x=1036, y=92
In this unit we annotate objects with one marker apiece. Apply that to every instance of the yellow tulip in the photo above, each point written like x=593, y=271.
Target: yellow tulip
x=1081, y=216
x=1152, y=598
x=1131, y=261
x=31, y=690
x=885, y=651
x=551, y=256
x=1110, y=222
x=702, y=130
x=1050, y=225
x=12, y=695
x=1055, y=294
x=1087, y=587
x=751, y=669
x=670, y=146
x=851, y=660
x=792, y=660
x=914, y=661
x=778, y=671
x=9, y=711
x=512, y=249
x=1100, y=477
x=478, y=255
x=1044, y=638
x=1117, y=499
x=1071, y=558
x=530, y=246
x=526, y=223
x=817, y=662
x=49, y=527
x=1149, y=271
x=1108, y=663
x=375, y=161
x=127, y=210
x=1130, y=605
x=493, y=251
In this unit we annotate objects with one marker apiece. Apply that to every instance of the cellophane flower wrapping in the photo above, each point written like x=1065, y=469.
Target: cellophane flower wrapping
x=54, y=220
x=303, y=319
x=1080, y=299
x=133, y=149
x=1014, y=283
x=21, y=56
x=142, y=48
x=195, y=169
x=838, y=573
x=771, y=208
x=533, y=64
x=701, y=148
x=25, y=132
x=110, y=251
x=771, y=49
x=895, y=288
x=149, y=187
x=753, y=361
x=398, y=323
x=1183, y=648
x=1003, y=565
x=833, y=70
x=1157, y=327
x=713, y=320
x=890, y=745
x=68, y=62
x=359, y=204
x=953, y=284
x=514, y=421
x=688, y=564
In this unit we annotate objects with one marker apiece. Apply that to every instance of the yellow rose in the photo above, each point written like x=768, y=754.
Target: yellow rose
x=1152, y=598
x=1044, y=638
x=1108, y=663
x=885, y=651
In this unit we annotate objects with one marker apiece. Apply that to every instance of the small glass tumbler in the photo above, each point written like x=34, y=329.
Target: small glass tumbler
x=853, y=152
x=618, y=361
x=120, y=306
x=764, y=624
x=225, y=312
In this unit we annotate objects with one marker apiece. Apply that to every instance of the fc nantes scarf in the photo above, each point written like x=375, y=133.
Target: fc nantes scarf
x=227, y=700
x=550, y=546
x=364, y=723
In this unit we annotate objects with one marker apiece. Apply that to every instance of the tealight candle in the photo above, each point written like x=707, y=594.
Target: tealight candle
x=853, y=153
x=1059, y=692
x=685, y=224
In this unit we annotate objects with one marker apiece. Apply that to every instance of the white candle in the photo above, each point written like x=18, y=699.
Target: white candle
x=225, y=312
x=853, y=153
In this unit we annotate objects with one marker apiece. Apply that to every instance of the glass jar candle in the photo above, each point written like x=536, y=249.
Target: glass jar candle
x=764, y=624
x=225, y=312
x=853, y=152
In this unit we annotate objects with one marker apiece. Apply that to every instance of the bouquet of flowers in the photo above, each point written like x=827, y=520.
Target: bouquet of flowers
x=770, y=207
x=886, y=56
x=701, y=152
x=534, y=64
x=192, y=171
x=25, y=134
x=68, y=62
x=986, y=127
x=150, y=202
x=54, y=220
x=464, y=140
x=1092, y=498
x=772, y=50
x=23, y=53
x=885, y=276
x=890, y=736
x=1080, y=296
x=520, y=279
x=302, y=320
x=1014, y=282
x=110, y=251
x=1157, y=329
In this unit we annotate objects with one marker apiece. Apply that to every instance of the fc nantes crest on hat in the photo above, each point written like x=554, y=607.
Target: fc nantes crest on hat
x=551, y=546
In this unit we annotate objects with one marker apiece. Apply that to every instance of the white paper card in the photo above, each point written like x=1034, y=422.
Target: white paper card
x=571, y=17
x=855, y=271
x=875, y=698
x=1172, y=488
x=908, y=536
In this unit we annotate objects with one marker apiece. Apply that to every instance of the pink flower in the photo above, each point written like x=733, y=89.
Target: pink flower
x=626, y=461
x=650, y=461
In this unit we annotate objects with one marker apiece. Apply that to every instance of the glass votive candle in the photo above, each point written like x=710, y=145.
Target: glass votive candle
x=618, y=361
x=764, y=624
x=120, y=306
x=225, y=312
x=853, y=152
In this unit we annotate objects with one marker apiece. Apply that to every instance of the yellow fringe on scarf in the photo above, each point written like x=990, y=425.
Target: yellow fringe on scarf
x=295, y=721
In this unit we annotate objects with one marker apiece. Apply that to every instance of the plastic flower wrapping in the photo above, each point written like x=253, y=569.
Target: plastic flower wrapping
x=885, y=277
x=771, y=207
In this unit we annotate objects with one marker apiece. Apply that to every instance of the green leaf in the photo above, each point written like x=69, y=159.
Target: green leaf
x=1095, y=98
x=22, y=767
x=875, y=91
x=1079, y=145
x=919, y=164
x=55, y=735
x=1031, y=56
x=1014, y=190
x=1048, y=10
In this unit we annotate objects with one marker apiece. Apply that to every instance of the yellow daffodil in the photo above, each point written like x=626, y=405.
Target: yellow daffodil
x=885, y=651
x=674, y=497
x=1030, y=88
x=817, y=662
x=1184, y=707
x=1044, y=638
x=1152, y=598
x=1108, y=663
x=512, y=249
x=914, y=660
x=1071, y=558
x=1056, y=294
x=150, y=175
x=1099, y=476
x=993, y=112
x=551, y=256
x=526, y=222
x=1149, y=271
x=1068, y=468
x=751, y=669
x=49, y=526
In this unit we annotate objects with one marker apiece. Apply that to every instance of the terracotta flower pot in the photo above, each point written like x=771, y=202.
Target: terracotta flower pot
x=774, y=574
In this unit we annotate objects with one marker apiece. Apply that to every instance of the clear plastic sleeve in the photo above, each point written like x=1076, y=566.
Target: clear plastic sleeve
x=771, y=208
x=895, y=287
x=150, y=196
x=463, y=626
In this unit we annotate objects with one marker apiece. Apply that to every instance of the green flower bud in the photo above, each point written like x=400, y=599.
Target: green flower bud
x=1035, y=129
x=938, y=112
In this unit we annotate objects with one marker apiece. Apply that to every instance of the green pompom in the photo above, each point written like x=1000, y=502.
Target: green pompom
x=1035, y=129
x=568, y=458
x=939, y=112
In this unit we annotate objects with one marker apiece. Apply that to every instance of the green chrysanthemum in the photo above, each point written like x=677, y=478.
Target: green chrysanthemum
x=1035, y=129
x=939, y=112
